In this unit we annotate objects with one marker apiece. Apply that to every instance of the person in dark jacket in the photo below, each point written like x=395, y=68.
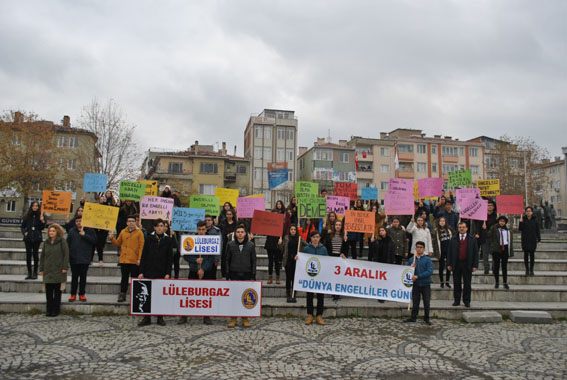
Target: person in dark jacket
x=101, y=237
x=157, y=258
x=421, y=282
x=81, y=241
x=127, y=208
x=175, y=248
x=53, y=268
x=484, y=241
x=289, y=246
x=211, y=274
x=463, y=261
x=398, y=234
x=315, y=248
x=531, y=239
x=70, y=223
x=32, y=227
x=227, y=227
x=384, y=252
x=240, y=263
x=274, y=252
x=441, y=237
x=501, y=247
x=450, y=216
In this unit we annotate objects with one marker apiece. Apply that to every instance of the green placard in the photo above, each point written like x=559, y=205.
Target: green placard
x=460, y=178
x=133, y=191
x=209, y=203
x=312, y=207
x=306, y=189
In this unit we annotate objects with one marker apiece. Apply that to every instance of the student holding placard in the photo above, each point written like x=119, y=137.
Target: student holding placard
x=274, y=252
x=127, y=208
x=399, y=237
x=307, y=228
x=419, y=232
x=484, y=240
x=101, y=236
x=359, y=205
x=226, y=208
x=32, y=227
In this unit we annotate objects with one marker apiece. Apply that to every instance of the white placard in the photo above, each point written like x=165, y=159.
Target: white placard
x=200, y=245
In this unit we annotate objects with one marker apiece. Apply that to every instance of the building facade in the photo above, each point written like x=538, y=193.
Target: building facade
x=271, y=137
x=554, y=189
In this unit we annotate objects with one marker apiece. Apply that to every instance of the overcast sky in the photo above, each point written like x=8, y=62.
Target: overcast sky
x=184, y=72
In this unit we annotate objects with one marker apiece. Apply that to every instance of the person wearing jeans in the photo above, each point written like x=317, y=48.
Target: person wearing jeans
x=315, y=248
x=423, y=269
x=81, y=243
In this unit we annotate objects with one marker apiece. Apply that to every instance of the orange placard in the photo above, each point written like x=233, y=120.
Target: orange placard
x=56, y=202
x=359, y=221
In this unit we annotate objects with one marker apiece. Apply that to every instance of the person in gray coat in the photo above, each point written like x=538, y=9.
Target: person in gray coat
x=53, y=265
x=81, y=243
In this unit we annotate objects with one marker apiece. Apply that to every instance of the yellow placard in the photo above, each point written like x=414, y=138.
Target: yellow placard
x=151, y=188
x=226, y=195
x=100, y=216
x=488, y=187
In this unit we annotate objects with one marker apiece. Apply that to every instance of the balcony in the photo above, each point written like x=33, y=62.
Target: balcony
x=452, y=159
x=368, y=158
x=365, y=174
x=405, y=157
x=230, y=177
x=406, y=175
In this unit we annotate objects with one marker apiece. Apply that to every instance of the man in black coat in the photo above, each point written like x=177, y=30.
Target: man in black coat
x=463, y=261
x=81, y=241
x=157, y=258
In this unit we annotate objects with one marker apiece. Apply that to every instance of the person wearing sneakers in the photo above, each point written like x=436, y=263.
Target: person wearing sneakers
x=501, y=248
x=315, y=248
x=156, y=262
x=131, y=243
x=240, y=263
x=81, y=243
x=423, y=269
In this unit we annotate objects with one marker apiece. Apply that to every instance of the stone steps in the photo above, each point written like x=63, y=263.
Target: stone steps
x=345, y=307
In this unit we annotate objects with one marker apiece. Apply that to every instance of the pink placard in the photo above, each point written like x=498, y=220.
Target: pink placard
x=337, y=204
x=474, y=208
x=510, y=204
x=430, y=187
x=156, y=208
x=245, y=206
x=400, y=186
x=469, y=192
x=399, y=204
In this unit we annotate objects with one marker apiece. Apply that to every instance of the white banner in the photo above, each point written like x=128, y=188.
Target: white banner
x=200, y=245
x=354, y=278
x=196, y=298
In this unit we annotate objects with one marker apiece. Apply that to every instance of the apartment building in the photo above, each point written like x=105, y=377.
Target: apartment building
x=554, y=188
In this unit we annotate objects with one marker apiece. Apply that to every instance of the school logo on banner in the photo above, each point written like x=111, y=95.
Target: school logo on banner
x=313, y=267
x=249, y=298
x=188, y=244
x=406, y=277
x=142, y=301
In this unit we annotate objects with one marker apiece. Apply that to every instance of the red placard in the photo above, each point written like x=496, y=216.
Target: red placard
x=510, y=204
x=267, y=223
x=346, y=189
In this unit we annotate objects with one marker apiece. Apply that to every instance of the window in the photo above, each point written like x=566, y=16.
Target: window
x=343, y=176
x=267, y=153
x=449, y=151
x=433, y=148
x=434, y=167
x=405, y=148
x=69, y=186
x=343, y=157
x=61, y=163
x=280, y=155
x=324, y=155
x=16, y=140
x=473, y=152
x=258, y=152
x=325, y=174
x=421, y=166
x=58, y=186
x=175, y=167
x=474, y=169
x=62, y=141
x=281, y=133
x=290, y=133
x=258, y=131
x=268, y=133
x=462, y=151
x=209, y=168
x=462, y=167
x=384, y=186
x=11, y=206
x=290, y=175
x=289, y=153
x=385, y=152
x=207, y=189
x=421, y=148
x=72, y=164
x=450, y=168
x=363, y=151
x=265, y=173
x=257, y=174
x=406, y=167
x=73, y=141
x=385, y=169
x=366, y=167
x=240, y=169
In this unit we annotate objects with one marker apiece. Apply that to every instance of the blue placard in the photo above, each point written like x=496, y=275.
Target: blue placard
x=277, y=177
x=95, y=183
x=369, y=193
x=185, y=219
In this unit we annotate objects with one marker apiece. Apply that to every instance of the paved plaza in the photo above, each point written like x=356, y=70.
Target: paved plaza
x=112, y=347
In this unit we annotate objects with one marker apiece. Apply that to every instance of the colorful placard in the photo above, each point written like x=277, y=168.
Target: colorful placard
x=185, y=219
x=311, y=207
x=400, y=186
x=151, y=188
x=460, y=178
x=306, y=189
x=99, y=216
x=209, y=203
x=133, y=191
x=346, y=189
x=226, y=195
x=510, y=204
x=430, y=187
x=338, y=205
x=474, y=208
x=56, y=202
x=267, y=223
x=359, y=221
x=95, y=183
x=369, y=193
x=156, y=208
x=399, y=204
x=488, y=187
x=469, y=192
x=200, y=245
x=245, y=206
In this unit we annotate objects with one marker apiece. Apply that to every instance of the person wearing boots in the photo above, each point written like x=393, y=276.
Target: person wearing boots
x=157, y=259
x=53, y=265
x=32, y=227
x=501, y=246
x=531, y=239
x=240, y=263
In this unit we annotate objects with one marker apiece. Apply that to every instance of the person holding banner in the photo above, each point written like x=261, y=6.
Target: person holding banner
x=32, y=227
x=307, y=228
x=336, y=244
x=502, y=247
x=420, y=232
x=109, y=198
x=484, y=240
x=131, y=244
x=240, y=263
x=53, y=268
x=81, y=243
x=463, y=261
x=531, y=238
x=101, y=236
x=329, y=223
x=450, y=216
x=156, y=261
x=441, y=236
x=371, y=238
x=211, y=274
x=175, y=247
x=289, y=248
x=315, y=248
x=399, y=237
x=227, y=207
x=421, y=282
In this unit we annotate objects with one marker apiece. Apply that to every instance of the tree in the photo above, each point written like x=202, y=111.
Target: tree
x=29, y=159
x=515, y=162
x=120, y=158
